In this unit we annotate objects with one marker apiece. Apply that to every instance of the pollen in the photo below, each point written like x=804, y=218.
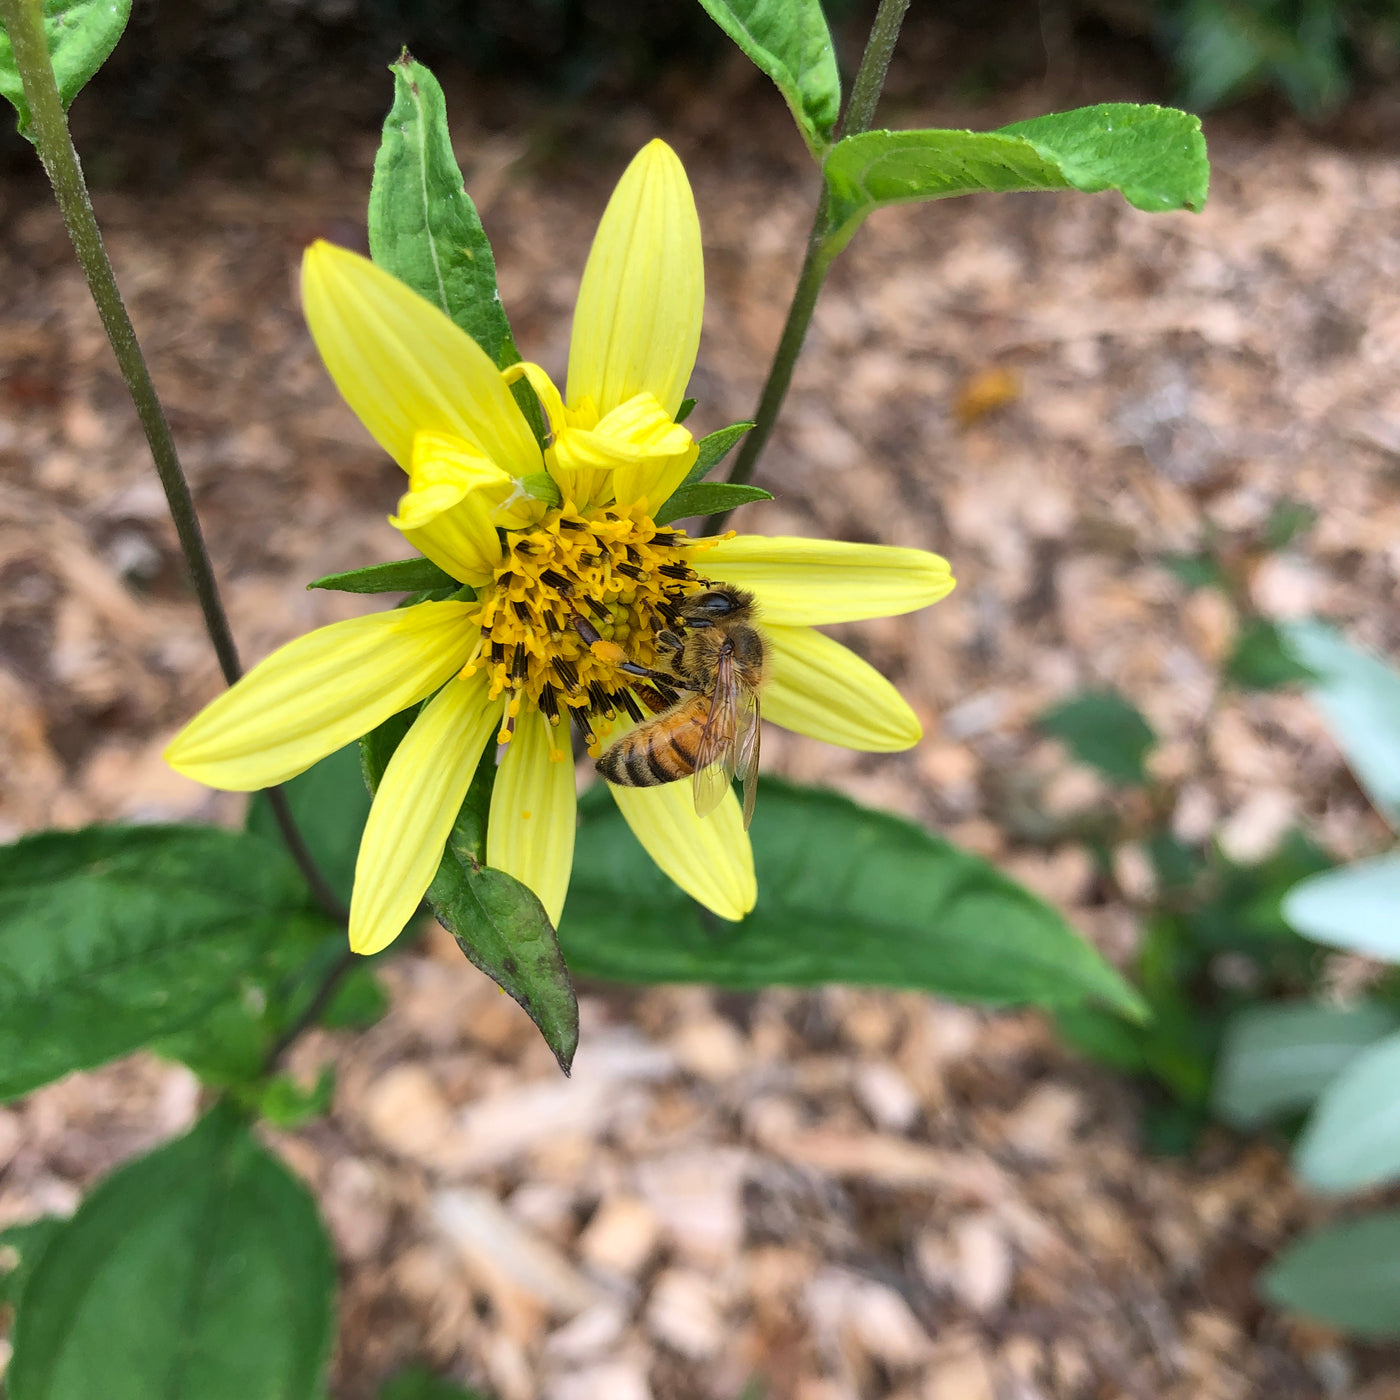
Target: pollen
x=573, y=599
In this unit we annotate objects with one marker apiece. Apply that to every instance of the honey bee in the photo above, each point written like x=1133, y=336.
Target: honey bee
x=712, y=733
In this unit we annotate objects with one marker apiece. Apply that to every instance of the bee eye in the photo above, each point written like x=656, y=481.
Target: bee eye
x=713, y=604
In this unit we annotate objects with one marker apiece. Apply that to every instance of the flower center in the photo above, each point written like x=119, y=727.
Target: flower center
x=573, y=598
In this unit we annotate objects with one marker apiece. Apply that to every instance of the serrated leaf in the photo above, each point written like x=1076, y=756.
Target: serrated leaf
x=1261, y=658
x=199, y=1272
x=400, y=576
x=423, y=226
x=81, y=34
x=1102, y=729
x=1154, y=156
x=1359, y=696
x=330, y=804
x=1352, y=1139
x=497, y=922
x=1275, y=1060
x=1356, y=907
x=1345, y=1275
x=114, y=936
x=708, y=498
x=789, y=41
x=845, y=895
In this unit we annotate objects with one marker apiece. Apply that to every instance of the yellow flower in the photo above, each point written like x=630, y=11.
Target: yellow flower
x=512, y=663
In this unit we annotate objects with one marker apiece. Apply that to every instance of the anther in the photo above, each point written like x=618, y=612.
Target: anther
x=557, y=582
x=676, y=571
x=629, y=704
x=566, y=673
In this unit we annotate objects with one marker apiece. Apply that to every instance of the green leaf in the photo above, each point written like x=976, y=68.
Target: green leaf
x=1352, y=1140
x=686, y=409
x=1196, y=570
x=1346, y=1275
x=845, y=895
x=1102, y=729
x=1262, y=660
x=21, y=1248
x=423, y=226
x=1154, y=156
x=1356, y=907
x=1275, y=1060
x=497, y=922
x=1286, y=522
x=402, y=576
x=114, y=936
x=1359, y=697
x=81, y=34
x=790, y=42
x=420, y=1384
x=712, y=449
x=199, y=1272
x=284, y=1103
x=708, y=498
x=330, y=803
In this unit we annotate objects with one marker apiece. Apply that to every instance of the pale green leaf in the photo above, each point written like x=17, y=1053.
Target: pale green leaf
x=1346, y=1275
x=1154, y=156
x=81, y=34
x=789, y=41
x=1352, y=1140
x=1356, y=907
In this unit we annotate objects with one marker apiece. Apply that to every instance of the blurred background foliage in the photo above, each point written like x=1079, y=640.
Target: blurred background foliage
x=270, y=64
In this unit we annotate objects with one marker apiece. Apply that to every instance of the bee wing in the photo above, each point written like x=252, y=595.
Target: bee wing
x=715, y=755
x=746, y=744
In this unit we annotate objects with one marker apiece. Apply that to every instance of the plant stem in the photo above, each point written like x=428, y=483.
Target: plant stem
x=24, y=23
x=821, y=250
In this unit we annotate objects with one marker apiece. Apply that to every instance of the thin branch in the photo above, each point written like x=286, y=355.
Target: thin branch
x=860, y=111
x=24, y=23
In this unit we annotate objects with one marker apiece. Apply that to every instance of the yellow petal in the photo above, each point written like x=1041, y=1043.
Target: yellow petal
x=708, y=857
x=403, y=366
x=531, y=832
x=811, y=582
x=449, y=510
x=414, y=809
x=637, y=322
x=316, y=694
x=659, y=452
x=818, y=687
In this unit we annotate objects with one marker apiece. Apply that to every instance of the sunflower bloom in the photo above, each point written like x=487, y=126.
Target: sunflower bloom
x=566, y=577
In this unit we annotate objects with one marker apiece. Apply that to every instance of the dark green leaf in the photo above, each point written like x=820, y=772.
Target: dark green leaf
x=80, y=33
x=1275, y=1060
x=200, y=1272
x=21, y=1248
x=358, y=1003
x=1196, y=570
x=1359, y=696
x=1102, y=729
x=283, y=1103
x=423, y=227
x=708, y=498
x=845, y=895
x=1262, y=660
x=1286, y=522
x=1345, y=1275
x=402, y=576
x=114, y=936
x=712, y=449
x=685, y=410
x=1155, y=156
x=420, y=1384
x=330, y=803
x=498, y=923
x=790, y=42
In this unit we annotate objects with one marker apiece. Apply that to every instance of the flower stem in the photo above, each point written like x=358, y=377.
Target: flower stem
x=24, y=23
x=821, y=245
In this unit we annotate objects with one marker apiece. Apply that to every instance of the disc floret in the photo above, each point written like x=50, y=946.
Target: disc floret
x=572, y=599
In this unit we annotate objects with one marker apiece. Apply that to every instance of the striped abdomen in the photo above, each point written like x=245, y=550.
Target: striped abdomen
x=660, y=751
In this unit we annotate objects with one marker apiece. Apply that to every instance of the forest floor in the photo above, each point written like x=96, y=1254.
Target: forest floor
x=847, y=1194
